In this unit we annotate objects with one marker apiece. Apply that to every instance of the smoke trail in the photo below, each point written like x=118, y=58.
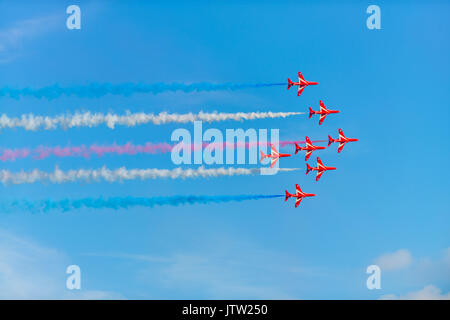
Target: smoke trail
x=129, y=148
x=121, y=174
x=88, y=119
x=122, y=202
x=96, y=90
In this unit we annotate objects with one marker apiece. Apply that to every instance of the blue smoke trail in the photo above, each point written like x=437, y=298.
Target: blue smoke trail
x=96, y=90
x=121, y=202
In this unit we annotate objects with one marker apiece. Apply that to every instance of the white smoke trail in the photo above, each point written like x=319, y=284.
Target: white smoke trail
x=121, y=174
x=87, y=119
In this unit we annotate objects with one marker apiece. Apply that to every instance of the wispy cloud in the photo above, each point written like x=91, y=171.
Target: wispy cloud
x=220, y=277
x=429, y=292
x=13, y=37
x=428, y=274
x=31, y=271
x=395, y=260
x=130, y=256
x=222, y=269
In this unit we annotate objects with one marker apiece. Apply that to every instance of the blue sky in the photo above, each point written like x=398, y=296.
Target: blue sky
x=390, y=191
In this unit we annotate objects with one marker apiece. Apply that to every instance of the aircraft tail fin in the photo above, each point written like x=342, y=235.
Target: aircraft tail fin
x=262, y=156
x=290, y=83
x=308, y=168
x=311, y=112
x=287, y=195
x=330, y=140
x=296, y=148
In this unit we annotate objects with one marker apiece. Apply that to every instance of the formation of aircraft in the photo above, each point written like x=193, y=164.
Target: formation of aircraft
x=298, y=195
x=342, y=140
x=309, y=148
x=323, y=111
x=321, y=168
x=302, y=83
x=274, y=155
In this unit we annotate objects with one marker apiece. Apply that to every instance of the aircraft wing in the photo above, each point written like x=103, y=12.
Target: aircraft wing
x=319, y=163
x=273, y=150
x=300, y=90
x=319, y=174
x=308, y=154
x=300, y=77
x=341, y=146
x=322, y=118
x=308, y=141
x=273, y=162
x=297, y=201
x=322, y=106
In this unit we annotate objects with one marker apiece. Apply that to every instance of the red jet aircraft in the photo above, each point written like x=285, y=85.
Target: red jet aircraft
x=342, y=140
x=274, y=155
x=323, y=112
x=309, y=148
x=299, y=194
x=302, y=83
x=320, y=168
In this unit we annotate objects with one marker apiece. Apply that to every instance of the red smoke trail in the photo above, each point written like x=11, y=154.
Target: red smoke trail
x=43, y=152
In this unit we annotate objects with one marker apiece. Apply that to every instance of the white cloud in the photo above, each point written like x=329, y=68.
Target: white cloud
x=93, y=295
x=220, y=278
x=429, y=292
x=131, y=256
x=32, y=271
x=422, y=271
x=446, y=255
x=11, y=38
x=435, y=270
x=22, y=275
x=220, y=270
x=394, y=261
